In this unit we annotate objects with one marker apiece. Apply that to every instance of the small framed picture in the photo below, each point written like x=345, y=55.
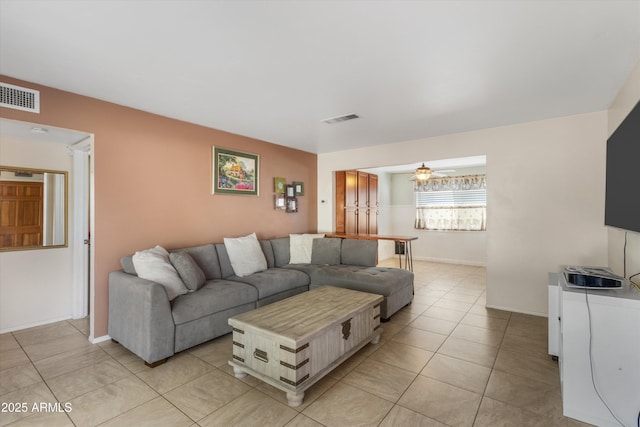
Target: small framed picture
x=299, y=188
x=279, y=185
x=292, y=205
x=280, y=202
x=291, y=192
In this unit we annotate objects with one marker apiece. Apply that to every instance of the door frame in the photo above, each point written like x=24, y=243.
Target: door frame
x=83, y=222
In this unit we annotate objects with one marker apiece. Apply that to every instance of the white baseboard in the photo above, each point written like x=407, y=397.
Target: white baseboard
x=34, y=324
x=532, y=313
x=99, y=339
x=451, y=261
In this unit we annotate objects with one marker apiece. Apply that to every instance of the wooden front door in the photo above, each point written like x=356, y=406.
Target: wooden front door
x=21, y=213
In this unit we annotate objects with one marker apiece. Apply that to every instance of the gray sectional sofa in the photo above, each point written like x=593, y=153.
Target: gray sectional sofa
x=145, y=321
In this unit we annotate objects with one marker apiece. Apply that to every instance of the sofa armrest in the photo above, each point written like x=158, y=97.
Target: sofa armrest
x=140, y=316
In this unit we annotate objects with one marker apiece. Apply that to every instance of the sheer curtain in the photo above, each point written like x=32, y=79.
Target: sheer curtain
x=452, y=203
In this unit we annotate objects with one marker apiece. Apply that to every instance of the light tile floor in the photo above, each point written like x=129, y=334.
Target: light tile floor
x=445, y=360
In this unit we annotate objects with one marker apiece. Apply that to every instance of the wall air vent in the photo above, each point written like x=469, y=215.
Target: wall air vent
x=341, y=118
x=19, y=98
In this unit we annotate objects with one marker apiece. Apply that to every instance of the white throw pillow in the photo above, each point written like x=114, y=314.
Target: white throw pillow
x=245, y=254
x=153, y=264
x=300, y=247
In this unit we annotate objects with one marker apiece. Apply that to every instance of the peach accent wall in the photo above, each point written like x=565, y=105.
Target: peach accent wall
x=153, y=182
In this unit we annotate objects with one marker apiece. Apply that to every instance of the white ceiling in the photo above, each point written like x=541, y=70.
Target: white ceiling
x=273, y=70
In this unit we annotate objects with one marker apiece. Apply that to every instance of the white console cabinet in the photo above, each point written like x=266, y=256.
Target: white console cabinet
x=596, y=331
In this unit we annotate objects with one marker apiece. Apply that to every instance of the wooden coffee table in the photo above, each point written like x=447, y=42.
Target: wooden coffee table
x=293, y=343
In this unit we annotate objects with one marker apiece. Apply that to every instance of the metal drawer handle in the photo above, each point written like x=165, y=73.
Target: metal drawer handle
x=346, y=329
x=261, y=355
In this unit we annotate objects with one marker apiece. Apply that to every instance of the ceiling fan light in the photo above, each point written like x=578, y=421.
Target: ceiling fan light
x=423, y=173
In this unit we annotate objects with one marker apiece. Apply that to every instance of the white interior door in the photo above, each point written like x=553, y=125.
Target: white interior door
x=83, y=224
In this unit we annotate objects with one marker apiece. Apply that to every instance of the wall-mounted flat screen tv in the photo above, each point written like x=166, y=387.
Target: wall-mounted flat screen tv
x=622, y=205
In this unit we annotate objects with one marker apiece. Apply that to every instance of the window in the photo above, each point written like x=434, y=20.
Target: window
x=452, y=203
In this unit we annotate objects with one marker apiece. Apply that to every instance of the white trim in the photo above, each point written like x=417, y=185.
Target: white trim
x=83, y=214
x=99, y=339
x=532, y=313
x=451, y=261
x=34, y=324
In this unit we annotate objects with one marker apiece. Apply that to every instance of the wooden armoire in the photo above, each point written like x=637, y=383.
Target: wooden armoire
x=356, y=202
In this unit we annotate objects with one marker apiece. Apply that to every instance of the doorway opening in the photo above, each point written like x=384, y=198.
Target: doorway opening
x=24, y=144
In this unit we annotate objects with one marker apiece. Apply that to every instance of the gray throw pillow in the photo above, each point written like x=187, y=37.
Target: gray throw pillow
x=127, y=265
x=326, y=251
x=190, y=273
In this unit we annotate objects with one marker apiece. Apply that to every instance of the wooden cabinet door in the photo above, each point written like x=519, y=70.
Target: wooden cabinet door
x=373, y=204
x=363, y=203
x=356, y=202
x=21, y=213
x=346, y=202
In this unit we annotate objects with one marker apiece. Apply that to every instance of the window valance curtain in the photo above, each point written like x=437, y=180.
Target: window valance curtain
x=453, y=183
x=452, y=203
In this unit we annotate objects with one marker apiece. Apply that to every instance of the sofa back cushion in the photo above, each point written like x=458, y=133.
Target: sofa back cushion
x=326, y=251
x=207, y=259
x=359, y=252
x=225, y=263
x=280, y=249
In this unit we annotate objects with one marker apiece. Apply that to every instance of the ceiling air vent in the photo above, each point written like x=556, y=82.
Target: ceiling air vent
x=341, y=118
x=19, y=98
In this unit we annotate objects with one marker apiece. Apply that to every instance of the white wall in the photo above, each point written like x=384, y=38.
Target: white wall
x=36, y=285
x=626, y=99
x=545, y=197
x=386, y=249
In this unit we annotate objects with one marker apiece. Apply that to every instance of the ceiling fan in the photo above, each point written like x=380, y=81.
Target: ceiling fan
x=423, y=173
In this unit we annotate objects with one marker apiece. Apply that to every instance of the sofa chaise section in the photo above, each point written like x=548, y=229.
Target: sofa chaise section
x=355, y=268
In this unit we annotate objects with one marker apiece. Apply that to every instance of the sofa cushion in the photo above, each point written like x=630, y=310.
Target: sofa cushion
x=153, y=264
x=359, y=252
x=207, y=259
x=192, y=275
x=281, y=254
x=377, y=280
x=214, y=296
x=326, y=251
x=274, y=281
x=245, y=255
x=300, y=246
